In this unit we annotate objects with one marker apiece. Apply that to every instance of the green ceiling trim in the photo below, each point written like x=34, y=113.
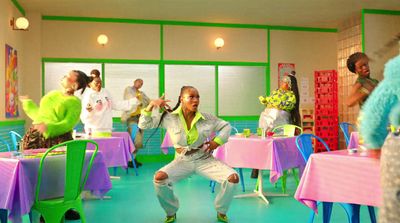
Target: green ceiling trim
x=304, y=29
x=221, y=63
x=376, y=12
x=167, y=62
x=96, y=60
x=152, y=22
x=19, y=7
x=381, y=12
x=185, y=23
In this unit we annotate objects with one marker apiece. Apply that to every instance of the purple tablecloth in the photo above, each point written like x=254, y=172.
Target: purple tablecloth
x=127, y=140
x=274, y=154
x=18, y=179
x=116, y=149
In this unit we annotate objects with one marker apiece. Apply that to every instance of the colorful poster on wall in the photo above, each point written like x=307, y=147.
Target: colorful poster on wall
x=11, y=82
x=284, y=69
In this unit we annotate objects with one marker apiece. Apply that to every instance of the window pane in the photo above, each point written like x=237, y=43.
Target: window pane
x=200, y=77
x=239, y=89
x=119, y=76
x=54, y=72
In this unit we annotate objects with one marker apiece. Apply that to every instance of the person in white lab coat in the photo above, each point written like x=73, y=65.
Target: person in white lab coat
x=97, y=106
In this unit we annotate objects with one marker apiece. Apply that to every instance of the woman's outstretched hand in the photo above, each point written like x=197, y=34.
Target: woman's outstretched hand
x=160, y=103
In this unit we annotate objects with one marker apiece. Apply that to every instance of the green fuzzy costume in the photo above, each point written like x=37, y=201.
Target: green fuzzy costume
x=58, y=111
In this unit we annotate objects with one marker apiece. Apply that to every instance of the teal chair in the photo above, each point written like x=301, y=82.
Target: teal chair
x=53, y=210
x=344, y=126
x=134, y=131
x=4, y=147
x=15, y=139
x=3, y=215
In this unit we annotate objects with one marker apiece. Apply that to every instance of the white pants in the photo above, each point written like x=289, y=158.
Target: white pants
x=185, y=165
x=272, y=117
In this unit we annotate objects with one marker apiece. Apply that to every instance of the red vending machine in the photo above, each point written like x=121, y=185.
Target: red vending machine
x=326, y=108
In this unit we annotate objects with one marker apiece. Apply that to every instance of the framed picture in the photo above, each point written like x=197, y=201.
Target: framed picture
x=11, y=82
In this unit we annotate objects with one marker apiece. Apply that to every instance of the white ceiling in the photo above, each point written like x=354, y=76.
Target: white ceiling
x=306, y=13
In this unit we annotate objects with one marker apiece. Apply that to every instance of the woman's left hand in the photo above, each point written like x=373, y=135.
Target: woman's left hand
x=41, y=127
x=211, y=146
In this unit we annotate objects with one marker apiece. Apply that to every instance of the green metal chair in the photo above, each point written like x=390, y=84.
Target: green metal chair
x=288, y=130
x=53, y=210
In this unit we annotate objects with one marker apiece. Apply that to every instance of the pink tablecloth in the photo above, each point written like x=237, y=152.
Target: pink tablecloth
x=116, y=149
x=274, y=154
x=167, y=143
x=353, y=142
x=19, y=176
x=340, y=177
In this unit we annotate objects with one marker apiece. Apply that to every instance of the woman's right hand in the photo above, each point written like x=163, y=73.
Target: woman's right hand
x=160, y=103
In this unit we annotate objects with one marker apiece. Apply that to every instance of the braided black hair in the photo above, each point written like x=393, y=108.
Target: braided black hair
x=183, y=89
x=295, y=113
x=166, y=110
x=352, y=60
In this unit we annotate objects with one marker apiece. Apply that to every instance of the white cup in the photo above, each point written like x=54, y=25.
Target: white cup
x=74, y=134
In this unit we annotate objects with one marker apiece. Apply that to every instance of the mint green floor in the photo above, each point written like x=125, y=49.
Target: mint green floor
x=133, y=200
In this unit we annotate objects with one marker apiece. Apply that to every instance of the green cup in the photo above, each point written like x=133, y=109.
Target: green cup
x=246, y=132
x=259, y=131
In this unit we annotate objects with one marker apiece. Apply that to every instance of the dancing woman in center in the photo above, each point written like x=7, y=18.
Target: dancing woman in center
x=189, y=130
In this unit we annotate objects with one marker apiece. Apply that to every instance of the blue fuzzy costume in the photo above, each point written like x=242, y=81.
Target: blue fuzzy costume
x=382, y=103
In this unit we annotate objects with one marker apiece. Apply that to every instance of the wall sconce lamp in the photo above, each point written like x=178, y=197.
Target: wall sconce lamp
x=219, y=42
x=102, y=39
x=20, y=23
